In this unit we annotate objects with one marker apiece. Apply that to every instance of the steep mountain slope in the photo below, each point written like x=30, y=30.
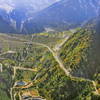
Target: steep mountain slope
x=82, y=53
x=5, y=27
x=63, y=15
x=15, y=16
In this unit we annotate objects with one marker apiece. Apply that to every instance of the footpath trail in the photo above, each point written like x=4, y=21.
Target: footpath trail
x=22, y=68
x=8, y=52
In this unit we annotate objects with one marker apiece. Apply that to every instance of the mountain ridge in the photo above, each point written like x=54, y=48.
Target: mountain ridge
x=64, y=14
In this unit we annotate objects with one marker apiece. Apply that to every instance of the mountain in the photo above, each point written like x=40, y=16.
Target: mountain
x=35, y=4
x=62, y=15
x=33, y=17
x=5, y=26
x=17, y=12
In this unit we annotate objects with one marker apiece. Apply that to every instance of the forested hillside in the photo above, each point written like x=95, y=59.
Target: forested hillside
x=81, y=52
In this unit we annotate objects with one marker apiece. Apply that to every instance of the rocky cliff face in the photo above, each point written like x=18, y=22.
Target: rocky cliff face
x=5, y=26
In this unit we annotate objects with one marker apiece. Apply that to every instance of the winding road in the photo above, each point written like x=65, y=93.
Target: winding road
x=59, y=46
x=55, y=55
